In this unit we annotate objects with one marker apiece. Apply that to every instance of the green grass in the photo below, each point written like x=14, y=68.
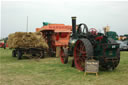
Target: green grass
x=50, y=71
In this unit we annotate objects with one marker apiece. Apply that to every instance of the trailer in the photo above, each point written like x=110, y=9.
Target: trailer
x=30, y=44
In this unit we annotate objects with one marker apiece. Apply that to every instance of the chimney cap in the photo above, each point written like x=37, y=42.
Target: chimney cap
x=74, y=17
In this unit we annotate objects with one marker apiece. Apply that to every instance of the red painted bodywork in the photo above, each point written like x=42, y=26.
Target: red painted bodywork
x=60, y=33
x=1, y=44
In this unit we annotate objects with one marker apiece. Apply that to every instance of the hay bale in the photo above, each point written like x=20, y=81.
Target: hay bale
x=26, y=40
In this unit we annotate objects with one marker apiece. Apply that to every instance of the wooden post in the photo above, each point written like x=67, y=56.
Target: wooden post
x=85, y=73
x=57, y=52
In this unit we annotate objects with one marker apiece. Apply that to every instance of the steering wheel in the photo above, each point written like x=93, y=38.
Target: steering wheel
x=81, y=28
x=93, y=31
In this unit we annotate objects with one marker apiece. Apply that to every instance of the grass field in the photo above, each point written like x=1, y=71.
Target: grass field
x=50, y=71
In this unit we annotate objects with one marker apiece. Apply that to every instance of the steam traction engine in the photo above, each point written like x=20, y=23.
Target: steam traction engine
x=87, y=44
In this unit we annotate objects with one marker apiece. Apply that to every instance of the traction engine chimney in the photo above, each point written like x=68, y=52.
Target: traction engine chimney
x=74, y=25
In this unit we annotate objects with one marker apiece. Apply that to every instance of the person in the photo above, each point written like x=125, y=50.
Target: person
x=4, y=43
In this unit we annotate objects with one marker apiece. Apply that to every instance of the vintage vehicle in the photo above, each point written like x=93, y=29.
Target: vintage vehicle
x=1, y=44
x=29, y=44
x=56, y=35
x=85, y=44
x=123, y=45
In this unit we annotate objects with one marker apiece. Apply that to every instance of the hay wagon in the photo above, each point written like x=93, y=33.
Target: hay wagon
x=27, y=43
x=56, y=36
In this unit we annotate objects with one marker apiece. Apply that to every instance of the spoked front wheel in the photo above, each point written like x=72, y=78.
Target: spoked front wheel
x=64, y=56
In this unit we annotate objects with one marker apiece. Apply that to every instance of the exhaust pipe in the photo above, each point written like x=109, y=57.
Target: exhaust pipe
x=74, y=25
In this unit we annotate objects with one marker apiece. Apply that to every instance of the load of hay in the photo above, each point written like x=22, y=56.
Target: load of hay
x=26, y=40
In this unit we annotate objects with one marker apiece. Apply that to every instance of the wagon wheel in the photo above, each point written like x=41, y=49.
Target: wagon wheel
x=42, y=54
x=83, y=50
x=64, y=55
x=114, y=62
x=19, y=55
x=14, y=53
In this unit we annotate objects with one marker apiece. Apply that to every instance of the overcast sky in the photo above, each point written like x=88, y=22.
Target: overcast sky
x=95, y=14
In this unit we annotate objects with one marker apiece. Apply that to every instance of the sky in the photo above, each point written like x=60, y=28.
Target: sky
x=95, y=14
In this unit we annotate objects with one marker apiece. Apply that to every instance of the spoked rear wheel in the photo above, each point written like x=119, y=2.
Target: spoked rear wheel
x=42, y=54
x=14, y=53
x=83, y=50
x=64, y=56
x=19, y=55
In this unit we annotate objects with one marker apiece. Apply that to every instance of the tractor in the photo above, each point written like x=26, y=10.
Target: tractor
x=87, y=44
